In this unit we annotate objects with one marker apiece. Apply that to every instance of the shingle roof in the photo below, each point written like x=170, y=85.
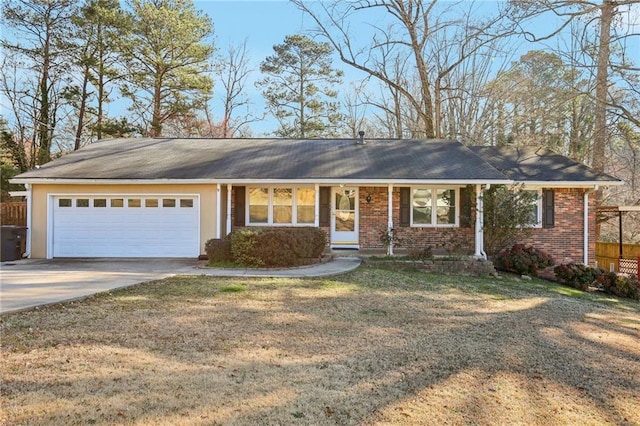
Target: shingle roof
x=308, y=159
x=538, y=164
x=269, y=159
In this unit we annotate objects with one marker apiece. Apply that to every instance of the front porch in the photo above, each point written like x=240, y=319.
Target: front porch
x=355, y=216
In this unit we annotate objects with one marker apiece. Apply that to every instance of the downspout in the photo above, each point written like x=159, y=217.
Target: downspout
x=585, y=228
x=390, y=219
x=480, y=253
x=27, y=252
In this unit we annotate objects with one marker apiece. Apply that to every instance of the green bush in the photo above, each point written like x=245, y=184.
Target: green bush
x=523, y=259
x=243, y=246
x=577, y=275
x=620, y=285
x=277, y=247
x=218, y=250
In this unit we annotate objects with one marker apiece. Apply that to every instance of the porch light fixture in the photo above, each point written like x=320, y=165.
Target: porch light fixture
x=368, y=198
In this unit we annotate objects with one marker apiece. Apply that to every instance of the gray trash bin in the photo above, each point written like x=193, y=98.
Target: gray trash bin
x=13, y=238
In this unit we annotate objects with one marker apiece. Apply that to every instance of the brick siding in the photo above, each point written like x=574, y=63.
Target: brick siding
x=564, y=241
x=374, y=218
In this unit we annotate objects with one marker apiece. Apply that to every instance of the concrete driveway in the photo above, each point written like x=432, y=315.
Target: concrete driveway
x=31, y=282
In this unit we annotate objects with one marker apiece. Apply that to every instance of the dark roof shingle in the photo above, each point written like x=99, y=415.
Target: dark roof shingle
x=538, y=164
x=309, y=159
x=269, y=159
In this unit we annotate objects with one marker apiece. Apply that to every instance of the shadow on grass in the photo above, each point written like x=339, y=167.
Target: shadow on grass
x=369, y=346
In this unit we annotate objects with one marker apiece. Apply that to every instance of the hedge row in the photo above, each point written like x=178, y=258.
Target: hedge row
x=582, y=277
x=269, y=247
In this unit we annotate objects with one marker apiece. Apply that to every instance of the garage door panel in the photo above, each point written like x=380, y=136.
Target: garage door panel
x=126, y=231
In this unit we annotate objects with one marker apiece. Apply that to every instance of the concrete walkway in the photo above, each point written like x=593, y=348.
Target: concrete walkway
x=29, y=283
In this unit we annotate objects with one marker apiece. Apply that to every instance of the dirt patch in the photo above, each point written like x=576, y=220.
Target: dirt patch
x=369, y=347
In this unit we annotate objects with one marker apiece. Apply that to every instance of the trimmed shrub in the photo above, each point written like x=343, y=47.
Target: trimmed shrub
x=523, y=259
x=277, y=247
x=577, y=275
x=620, y=284
x=218, y=250
x=243, y=244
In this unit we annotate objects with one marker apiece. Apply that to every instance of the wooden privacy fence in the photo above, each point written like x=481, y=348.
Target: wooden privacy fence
x=609, y=253
x=13, y=214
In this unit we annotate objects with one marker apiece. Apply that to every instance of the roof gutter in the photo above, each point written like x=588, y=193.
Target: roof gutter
x=325, y=181
x=572, y=184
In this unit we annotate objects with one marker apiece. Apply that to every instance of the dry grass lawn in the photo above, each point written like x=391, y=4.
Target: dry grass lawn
x=373, y=347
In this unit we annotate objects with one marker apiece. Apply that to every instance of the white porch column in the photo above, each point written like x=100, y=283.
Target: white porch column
x=316, y=221
x=228, y=209
x=479, y=243
x=390, y=218
x=218, y=212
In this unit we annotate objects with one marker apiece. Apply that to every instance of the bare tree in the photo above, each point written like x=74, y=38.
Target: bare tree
x=42, y=43
x=232, y=70
x=413, y=37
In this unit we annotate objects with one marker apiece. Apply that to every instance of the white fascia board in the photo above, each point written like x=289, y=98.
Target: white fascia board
x=570, y=184
x=361, y=182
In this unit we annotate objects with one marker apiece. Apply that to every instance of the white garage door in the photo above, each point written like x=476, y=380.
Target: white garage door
x=126, y=226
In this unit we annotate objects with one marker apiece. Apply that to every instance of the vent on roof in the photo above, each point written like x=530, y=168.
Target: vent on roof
x=361, y=140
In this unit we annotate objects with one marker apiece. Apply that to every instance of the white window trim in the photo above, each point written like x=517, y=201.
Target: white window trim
x=538, y=205
x=434, y=190
x=270, y=205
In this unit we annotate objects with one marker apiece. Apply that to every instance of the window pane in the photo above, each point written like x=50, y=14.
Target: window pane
x=306, y=208
x=533, y=208
x=82, y=202
x=134, y=202
x=117, y=202
x=186, y=202
x=282, y=205
x=64, y=202
x=100, y=202
x=422, y=206
x=258, y=205
x=446, y=206
x=168, y=202
x=151, y=202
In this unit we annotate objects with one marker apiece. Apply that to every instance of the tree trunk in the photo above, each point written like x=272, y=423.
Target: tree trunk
x=602, y=79
x=82, y=108
x=44, y=149
x=156, y=120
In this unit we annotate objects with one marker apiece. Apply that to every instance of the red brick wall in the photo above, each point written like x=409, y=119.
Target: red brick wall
x=374, y=219
x=565, y=240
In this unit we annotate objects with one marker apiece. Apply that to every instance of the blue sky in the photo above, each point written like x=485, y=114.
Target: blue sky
x=262, y=24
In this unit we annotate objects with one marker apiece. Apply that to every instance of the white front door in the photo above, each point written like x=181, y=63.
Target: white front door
x=344, y=220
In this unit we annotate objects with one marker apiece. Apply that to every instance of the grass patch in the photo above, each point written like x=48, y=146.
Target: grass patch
x=234, y=288
x=373, y=346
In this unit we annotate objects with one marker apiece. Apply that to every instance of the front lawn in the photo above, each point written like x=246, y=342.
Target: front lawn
x=369, y=347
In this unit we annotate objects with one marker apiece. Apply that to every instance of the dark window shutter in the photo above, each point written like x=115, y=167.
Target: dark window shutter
x=466, y=195
x=548, y=206
x=240, y=210
x=325, y=206
x=405, y=206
